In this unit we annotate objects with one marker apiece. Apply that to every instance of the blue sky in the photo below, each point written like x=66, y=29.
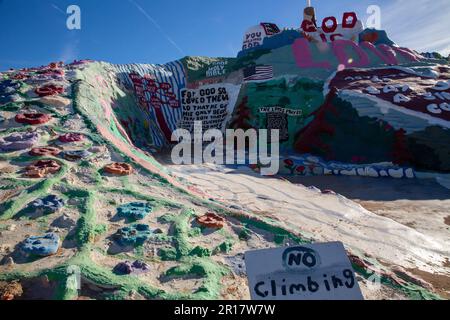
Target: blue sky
x=34, y=32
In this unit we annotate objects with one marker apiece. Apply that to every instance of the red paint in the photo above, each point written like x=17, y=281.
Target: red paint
x=308, y=26
x=371, y=37
x=309, y=139
x=162, y=123
x=329, y=29
x=49, y=90
x=155, y=102
x=71, y=137
x=33, y=118
x=352, y=24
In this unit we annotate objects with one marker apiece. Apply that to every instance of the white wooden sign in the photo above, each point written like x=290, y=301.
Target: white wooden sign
x=307, y=272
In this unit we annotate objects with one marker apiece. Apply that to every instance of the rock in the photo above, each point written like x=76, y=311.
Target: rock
x=5, y=249
x=98, y=149
x=137, y=267
x=33, y=118
x=119, y=168
x=9, y=262
x=315, y=189
x=211, y=220
x=76, y=155
x=134, y=235
x=11, y=227
x=135, y=210
x=46, y=245
x=18, y=141
x=42, y=168
x=10, y=291
x=47, y=205
x=237, y=264
x=64, y=222
x=73, y=201
x=71, y=137
x=56, y=101
x=55, y=230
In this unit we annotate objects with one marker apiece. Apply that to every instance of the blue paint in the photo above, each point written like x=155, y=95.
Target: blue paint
x=47, y=205
x=308, y=165
x=135, y=210
x=8, y=90
x=134, y=235
x=42, y=246
x=285, y=38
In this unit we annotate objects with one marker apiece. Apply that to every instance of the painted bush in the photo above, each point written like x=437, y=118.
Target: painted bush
x=134, y=235
x=134, y=210
x=278, y=104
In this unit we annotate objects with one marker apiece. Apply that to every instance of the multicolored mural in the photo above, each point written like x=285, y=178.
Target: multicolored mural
x=334, y=90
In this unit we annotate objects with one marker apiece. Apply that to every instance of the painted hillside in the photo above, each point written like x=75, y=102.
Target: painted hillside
x=81, y=192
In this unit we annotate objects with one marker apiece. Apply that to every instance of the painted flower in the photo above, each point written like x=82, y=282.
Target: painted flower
x=289, y=162
x=300, y=169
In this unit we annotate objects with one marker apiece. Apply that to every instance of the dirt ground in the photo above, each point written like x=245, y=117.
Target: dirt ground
x=423, y=205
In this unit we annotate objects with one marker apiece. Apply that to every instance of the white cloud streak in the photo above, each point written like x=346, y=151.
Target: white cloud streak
x=158, y=27
x=54, y=6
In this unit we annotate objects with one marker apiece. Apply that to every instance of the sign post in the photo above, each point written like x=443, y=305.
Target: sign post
x=308, y=272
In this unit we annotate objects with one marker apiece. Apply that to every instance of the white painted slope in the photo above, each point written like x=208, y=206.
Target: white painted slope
x=324, y=217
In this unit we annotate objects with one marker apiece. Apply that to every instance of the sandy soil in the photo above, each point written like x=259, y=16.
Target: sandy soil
x=399, y=222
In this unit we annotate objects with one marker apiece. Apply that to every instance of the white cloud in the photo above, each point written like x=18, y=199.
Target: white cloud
x=422, y=25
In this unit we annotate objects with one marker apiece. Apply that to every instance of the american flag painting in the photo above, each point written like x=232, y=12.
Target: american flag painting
x=258, y=73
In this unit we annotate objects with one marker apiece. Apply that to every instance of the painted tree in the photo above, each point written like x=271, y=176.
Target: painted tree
x=242, y=116
x=310, y=139
x=400, y=153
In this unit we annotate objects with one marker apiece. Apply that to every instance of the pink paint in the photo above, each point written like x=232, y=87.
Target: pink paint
x=343, y=49
x=383, y=52
x=101, y=82
x=407, y=54
x=339, y=48
x=303, y=56
x=106, y=109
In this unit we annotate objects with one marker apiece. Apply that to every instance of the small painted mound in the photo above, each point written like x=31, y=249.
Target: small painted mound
x=42, y=245
x=135, y=210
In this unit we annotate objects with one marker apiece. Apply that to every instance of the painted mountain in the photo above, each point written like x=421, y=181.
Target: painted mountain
x=86, y=212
